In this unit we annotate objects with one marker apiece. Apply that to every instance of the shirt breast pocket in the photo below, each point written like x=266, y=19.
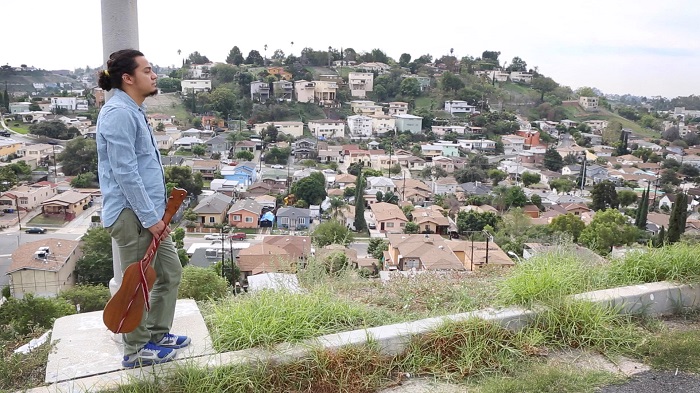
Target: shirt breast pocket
x=143, y=145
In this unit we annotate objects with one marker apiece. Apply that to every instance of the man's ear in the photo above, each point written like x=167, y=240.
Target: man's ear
x=128, y=79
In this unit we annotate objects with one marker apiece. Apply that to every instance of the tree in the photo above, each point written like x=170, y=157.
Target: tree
x=450, y=81
x=331, y=232
x=568, y=223
x=84, y=180
x=337, y=207
x=404, y=59
x=496, y=176
x=609, y=228
x=360, y=222
x=626, y=197
x=95, y=266
x=530, y=178
x=196, y=58
x=53, y=129
x=223, y=100
x=643, y=210
x=410, y=88
x=26, y=314
x=79, y=156
x=553, y=160
x=89, y=297
x=517, y=64
x=510, y=197
x=254, y=58
x=679, y=215
x=472, y=221
x=8, y=179
x=604, y=196
x=198, y=150
x=270, y=133
x=182, y=177
x=660, y=239
x=311, y=189
x=544, y=85
x=411, y=228
x=234, y=56
x=376, y=247
x=536, y=200
x=202, y=283
x=245, y=155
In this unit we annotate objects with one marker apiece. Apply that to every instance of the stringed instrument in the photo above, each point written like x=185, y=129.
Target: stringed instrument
x=124, y=311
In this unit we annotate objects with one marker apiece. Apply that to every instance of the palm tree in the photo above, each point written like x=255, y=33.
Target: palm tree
x=178, y=52
x=234, y=138
x=337, y=208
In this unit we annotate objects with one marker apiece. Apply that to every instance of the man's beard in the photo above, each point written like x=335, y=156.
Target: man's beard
x=153, y=93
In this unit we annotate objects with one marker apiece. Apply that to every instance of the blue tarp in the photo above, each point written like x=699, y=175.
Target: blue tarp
x=267, y=217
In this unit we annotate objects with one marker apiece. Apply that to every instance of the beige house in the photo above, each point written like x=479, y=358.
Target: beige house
x=431, y=220
x=588, y=103
x=360, y=83
x=28, y=197
x=325, y=93
x=206, y=167
x=388, y=217
x=382, y=124
x=398, y=108
x=68, y=204
x=420, y=252
x=293, y=128
x=43, y=268
x=212, y=209
x=38, y=150
x=304, y=91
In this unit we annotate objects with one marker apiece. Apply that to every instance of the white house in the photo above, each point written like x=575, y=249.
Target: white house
x=67, y=103
x=512, y=144
x=195, y=86
x=456, y=106
x=519, y=76
x=327, y=128
x=293, y=128
x=187, y=142
x=588, y=103
x=360, y=126
x=442, y=130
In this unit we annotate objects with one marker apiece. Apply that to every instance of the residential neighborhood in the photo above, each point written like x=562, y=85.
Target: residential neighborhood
x=352, y=163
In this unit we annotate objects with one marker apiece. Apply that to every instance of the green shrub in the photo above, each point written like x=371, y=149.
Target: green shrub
x=23, y=315
x=6, y=292
x=90, y=297
x=201, y=284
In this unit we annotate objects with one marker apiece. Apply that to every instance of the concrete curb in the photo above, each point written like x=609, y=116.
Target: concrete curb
x=661, y=298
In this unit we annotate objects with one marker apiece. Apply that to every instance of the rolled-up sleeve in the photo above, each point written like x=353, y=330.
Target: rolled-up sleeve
x=119, y=130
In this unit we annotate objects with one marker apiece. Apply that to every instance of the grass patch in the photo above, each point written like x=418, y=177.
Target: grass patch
x=672, y=350
x=270, y=317
x=18, y=127
x=541, y=378
x=42, y=220
x=20, y=371
x=183, y=153
x=678, y=263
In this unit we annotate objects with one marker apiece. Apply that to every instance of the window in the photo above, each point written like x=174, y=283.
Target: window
x=389, y=224
x=249, y=219
x=403, y=224
x=302, y=220
x=236, y=217
x=212, y=219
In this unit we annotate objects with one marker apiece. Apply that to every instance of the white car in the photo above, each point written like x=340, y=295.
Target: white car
x=277, y=166
x=214, y=236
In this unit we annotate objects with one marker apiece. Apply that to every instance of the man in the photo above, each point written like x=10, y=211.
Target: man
x=132, y=182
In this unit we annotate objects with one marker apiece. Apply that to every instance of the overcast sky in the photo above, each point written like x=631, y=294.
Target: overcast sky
x=642, y=47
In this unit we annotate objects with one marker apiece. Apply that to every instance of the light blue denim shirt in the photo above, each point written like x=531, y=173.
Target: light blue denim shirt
x=130, y=171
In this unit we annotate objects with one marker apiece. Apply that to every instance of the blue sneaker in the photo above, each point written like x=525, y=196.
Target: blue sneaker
x=173, y=341
x=148, y=355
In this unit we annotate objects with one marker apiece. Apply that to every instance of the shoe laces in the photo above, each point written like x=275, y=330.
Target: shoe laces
x=153, y=347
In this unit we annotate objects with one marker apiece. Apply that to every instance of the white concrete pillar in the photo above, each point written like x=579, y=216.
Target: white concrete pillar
x=120, y=30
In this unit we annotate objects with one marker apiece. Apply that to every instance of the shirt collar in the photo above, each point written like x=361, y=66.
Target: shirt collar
x=122, y=96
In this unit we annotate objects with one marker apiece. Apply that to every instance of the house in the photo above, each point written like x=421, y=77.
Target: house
x=292, y=128
x=304, y=148
x=190, y=86
x=512, y=144
x=381, y=183
x=43, y=268
x=304, y=91
x=218, y=144
x=9, y=147
x=588, y=103
x=367, y=108
x=68, y=204
x=445, y=185
x=163, y=141
x=454, y=129
x=412, y=163
x=420, y=253
x=388, y=217
x=245, y=213
x=274, y=254
x=375, y=66
x=519, y=76
x=293, y=218
x=431, y=220
x=531, y=210
x=259, y=91
x=187, y=142
x=345, y=180
x=228, y=187
x=398, y=108
x=27, y=197
x=244, y=173
x=411, y=123
x=172, y=161
x=445, y=163
x=283, y=90
x=266, y=202
x=360, y=83
x=330, y=154
x=325, y=93
x=381, y=124
x=40, y=151
x=211, y=210
x=207, y=168
x=327, y=128
x=456, y=106
x=476, y=188
x=360, y=126
x=479, y=254
x=259, y=189
x=414, y=190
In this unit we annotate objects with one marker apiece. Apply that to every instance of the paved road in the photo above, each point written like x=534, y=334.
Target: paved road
x=657, y=382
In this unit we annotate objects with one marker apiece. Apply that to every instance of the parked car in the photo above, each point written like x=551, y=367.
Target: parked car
x=238, y=236
x=214, y=236
x=277, y=166
x=372, y=225
x=35, y=230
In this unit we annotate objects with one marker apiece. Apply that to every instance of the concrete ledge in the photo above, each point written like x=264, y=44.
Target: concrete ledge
x=660, y=298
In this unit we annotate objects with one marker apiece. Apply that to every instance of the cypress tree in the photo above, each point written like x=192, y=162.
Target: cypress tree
x=640, y=207
x=660, y=238
x=645, y=210
x=676, y=225
x=6, y=100
x=360, y=222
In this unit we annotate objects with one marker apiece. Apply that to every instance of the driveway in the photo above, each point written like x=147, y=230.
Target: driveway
x=369, y=218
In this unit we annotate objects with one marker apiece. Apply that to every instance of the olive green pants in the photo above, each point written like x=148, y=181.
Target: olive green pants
x=133, y=241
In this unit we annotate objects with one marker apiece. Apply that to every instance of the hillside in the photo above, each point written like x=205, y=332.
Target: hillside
x=22, y=81
x=576, y=113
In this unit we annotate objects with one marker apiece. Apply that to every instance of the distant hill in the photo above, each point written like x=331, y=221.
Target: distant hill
x=21, y=81
x=578, y=114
